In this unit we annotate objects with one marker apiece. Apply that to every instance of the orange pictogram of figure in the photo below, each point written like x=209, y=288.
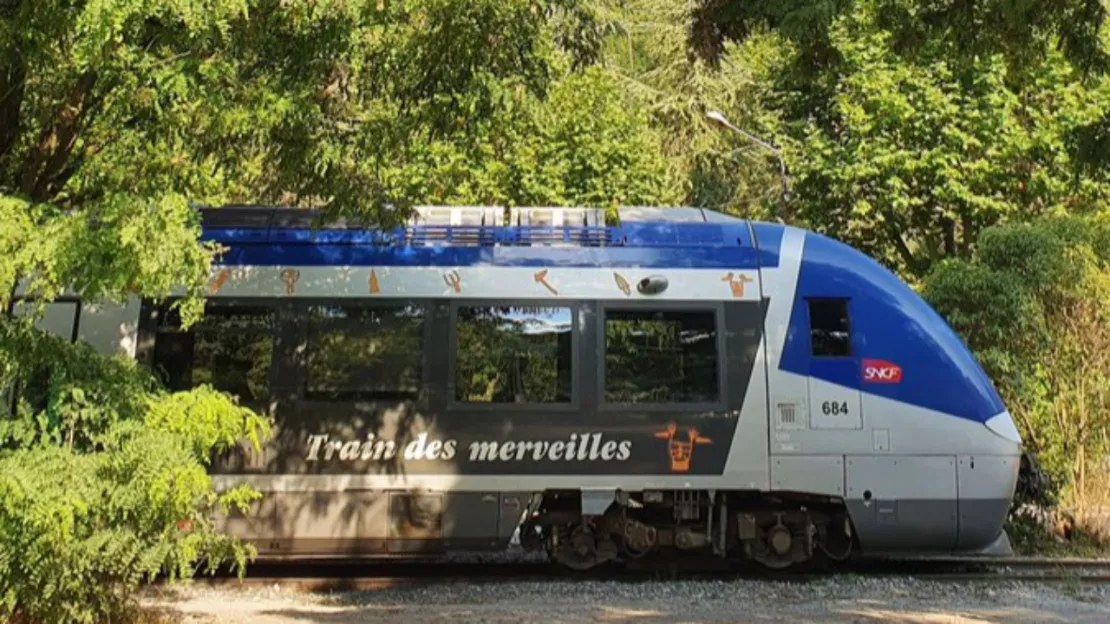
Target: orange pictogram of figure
x=218, y=283
x=736, y=282
x=290, y=277
x=375, y=288
x=682, y=451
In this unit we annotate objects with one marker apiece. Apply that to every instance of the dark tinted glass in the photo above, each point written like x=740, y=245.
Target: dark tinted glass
x=513, y=355
x=229, y=349
x=829, y=332
x=660, y=357
x=364, y=352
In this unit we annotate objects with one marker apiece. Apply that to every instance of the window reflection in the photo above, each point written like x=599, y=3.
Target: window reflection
x=660, y=357
x=364, y=352
x=513, y=354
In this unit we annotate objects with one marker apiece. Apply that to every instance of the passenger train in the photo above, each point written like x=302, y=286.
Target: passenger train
x=679, y=382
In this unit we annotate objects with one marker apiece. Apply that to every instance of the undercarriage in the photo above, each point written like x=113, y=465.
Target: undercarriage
x=779, y=532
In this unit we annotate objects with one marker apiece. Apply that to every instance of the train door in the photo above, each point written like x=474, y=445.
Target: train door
x=834, y=369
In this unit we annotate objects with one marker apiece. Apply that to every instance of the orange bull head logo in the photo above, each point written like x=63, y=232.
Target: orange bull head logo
x=681, y=451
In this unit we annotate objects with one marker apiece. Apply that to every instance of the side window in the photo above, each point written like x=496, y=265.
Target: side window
x=661, y=356
x=513, y=354
x=829, y=328
x=361, y=352
x=230, y=349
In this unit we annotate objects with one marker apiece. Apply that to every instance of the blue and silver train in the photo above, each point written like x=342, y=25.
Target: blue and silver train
x=682, y=381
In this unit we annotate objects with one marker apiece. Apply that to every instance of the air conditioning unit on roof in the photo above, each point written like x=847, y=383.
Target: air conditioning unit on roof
x=543, y=216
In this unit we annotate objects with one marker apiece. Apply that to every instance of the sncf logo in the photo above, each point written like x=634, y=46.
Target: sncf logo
x=881, y=371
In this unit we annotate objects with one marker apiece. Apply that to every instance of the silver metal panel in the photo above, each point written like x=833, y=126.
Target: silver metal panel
x=903, y=502
x=58, y=318
x=986, y=484
x=817, y=475
x=633, y=214
x=556, y=216
x=987, y=476
x=912, y=430
x=111, y=329
x=901, y=477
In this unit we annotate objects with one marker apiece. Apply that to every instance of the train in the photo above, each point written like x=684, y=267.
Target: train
x=673, y=382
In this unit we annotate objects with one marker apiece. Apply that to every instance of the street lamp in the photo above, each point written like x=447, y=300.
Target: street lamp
x=719, y=117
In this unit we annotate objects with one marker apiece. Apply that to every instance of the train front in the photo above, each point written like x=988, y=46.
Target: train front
x=931, y=455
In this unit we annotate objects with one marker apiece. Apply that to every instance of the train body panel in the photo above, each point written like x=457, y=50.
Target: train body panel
x=801, y=379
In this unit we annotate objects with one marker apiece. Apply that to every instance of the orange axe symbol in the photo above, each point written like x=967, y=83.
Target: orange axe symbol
x=541, y=277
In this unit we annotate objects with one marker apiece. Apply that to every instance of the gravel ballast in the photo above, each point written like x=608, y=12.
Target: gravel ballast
x=839, y=599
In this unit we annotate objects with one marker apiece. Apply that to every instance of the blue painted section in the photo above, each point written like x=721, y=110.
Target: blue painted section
x=889, y=321
x=649, y=245
x=616, y=257
x=768, y=239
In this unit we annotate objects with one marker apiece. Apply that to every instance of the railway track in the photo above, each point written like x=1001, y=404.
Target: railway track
x=360, y=575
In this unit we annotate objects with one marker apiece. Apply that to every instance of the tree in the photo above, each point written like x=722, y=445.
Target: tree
x=907, y=140
x=1034, y=305
x=125, y=112
x=117, y=115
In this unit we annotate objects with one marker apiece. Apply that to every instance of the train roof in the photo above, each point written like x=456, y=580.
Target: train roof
x=484, y=226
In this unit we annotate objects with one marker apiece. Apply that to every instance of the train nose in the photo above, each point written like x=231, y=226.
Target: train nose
x=986, y=485
x=1003, y=425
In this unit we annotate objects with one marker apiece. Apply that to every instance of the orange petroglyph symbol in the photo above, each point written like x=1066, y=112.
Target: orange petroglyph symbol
x=623, y=284
x=453, y=280
x=681, y=451
x=541, y=277
x=290, y=277
x=218, y=283
x=375, y=288
x=736, y=283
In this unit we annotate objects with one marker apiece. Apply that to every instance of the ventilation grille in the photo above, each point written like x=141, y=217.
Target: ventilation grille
x=788, y=416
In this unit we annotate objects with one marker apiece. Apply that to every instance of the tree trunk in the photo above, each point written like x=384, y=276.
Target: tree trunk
x=51, y=154
x=12, y=87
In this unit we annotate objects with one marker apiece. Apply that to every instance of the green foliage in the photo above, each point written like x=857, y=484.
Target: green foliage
x=103, y=480
x=1034, y=305
x=1020, y=31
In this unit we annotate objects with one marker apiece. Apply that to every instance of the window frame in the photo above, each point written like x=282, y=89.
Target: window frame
x=847, y=301
x=717, y=308
x=149, y=329
x=302, y=315
x=455, y=405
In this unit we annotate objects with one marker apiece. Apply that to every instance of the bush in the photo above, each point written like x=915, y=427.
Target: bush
x=103, y=481
x=1034, y=305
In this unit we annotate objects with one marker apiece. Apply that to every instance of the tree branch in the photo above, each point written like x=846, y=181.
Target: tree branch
x=12, y=87
x=55, y=145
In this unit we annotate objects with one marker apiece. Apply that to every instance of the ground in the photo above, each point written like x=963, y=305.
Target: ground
x=842, y=600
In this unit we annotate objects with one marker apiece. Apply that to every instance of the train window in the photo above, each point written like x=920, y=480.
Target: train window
x=509, y=354
x=661, y=356
x=362, y=352
x=230, y=348
x=829, y=332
